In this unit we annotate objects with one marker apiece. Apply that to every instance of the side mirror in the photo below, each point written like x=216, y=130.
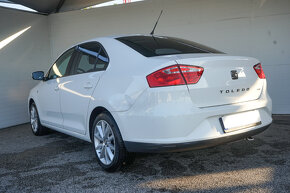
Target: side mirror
x=38, y=75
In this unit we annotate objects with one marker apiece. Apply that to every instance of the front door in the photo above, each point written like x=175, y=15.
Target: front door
x=49, y=95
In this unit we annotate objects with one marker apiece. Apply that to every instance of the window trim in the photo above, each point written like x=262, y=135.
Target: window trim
x=77, y=58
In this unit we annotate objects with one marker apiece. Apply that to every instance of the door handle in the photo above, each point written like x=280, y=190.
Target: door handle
x=56, y=88
x=88, y=85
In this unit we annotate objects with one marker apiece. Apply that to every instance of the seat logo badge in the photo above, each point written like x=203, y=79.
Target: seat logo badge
x=234, y=74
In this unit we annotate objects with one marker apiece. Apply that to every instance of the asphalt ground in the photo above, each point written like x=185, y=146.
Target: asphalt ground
x=60, y=163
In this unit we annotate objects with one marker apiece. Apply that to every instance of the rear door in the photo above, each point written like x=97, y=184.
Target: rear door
x=225, y=80
x=76, y=90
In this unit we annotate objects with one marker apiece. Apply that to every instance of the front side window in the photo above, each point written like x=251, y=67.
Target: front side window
x=59, y=68
x=92, y=58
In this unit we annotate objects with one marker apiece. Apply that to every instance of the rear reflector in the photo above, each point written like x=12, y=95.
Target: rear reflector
x=259, y=70
x=175, y=75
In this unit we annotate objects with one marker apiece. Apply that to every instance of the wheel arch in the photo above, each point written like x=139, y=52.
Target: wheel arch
x=31, y=100
x=98, y=110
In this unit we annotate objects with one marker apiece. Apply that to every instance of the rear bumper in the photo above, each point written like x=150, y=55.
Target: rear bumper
x=162, y=118
x=178, y=147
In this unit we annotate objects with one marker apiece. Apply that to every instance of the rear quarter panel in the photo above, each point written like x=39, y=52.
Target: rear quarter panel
x=125, y=78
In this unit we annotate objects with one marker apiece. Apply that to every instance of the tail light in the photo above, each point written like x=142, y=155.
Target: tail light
x=175, y=75
x=259, y=70
x=191, y=74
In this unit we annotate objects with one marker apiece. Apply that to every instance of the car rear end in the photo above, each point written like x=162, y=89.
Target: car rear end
x=197, y=100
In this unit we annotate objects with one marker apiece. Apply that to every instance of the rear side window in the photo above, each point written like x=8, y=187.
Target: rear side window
x=91, y=58
x=150, y=46
x=86, y=63
x=102, y=61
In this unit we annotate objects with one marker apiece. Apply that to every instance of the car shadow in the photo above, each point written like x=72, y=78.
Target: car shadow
x=262, y=164
x=48, y=163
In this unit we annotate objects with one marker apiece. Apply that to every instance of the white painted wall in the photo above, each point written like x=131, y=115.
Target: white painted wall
x=257, y=28
x=28, y=52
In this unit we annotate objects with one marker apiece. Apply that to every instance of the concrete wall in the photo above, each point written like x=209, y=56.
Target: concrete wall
x=28, y=52
x=257, y=28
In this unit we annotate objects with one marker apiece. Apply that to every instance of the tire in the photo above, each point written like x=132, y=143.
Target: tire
x=36, y=127
x=108, y=143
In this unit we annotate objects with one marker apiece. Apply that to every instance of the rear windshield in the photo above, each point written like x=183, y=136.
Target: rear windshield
x=150, y=46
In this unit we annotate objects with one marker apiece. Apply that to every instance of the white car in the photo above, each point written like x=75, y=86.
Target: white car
x=143, y=93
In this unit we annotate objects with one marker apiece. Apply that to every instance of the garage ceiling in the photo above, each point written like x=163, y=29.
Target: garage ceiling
x=54, y=6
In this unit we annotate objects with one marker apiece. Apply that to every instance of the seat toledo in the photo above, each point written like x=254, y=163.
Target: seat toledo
x=143, y=93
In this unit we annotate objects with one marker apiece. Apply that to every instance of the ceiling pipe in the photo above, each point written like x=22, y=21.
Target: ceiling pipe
x=60, y=4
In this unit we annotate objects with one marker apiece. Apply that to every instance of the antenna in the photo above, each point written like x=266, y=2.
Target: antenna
x=152, y=33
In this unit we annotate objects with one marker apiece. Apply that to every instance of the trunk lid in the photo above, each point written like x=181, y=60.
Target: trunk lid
x=225, y=80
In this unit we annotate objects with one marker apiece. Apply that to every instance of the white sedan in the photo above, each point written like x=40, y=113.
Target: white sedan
x=144, y=93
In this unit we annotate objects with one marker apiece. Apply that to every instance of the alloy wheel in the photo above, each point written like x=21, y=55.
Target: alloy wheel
x=104, y=141
x=34, y=119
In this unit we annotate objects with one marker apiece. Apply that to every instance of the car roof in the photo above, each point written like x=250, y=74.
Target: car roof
x=97, y=39
x=120, y=36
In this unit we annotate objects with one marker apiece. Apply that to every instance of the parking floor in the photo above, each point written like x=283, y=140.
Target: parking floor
x=59, y=163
